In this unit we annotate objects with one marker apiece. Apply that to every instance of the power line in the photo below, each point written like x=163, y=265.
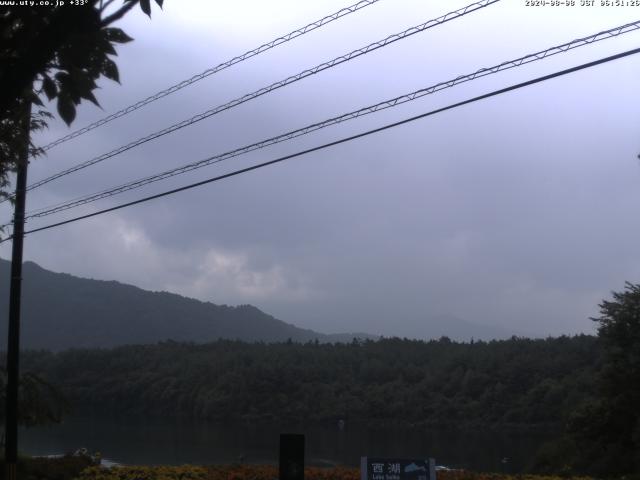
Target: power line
x=342, y=140
x=613, y=32
x=287, y=81
x=240, y=58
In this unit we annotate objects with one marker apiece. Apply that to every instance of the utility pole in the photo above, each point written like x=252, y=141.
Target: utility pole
x=13, y=347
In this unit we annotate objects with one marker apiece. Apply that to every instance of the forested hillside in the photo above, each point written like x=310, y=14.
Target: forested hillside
x=517, y=382
x=62, y=311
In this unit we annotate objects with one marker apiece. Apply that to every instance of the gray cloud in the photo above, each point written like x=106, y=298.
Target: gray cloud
x=517, y=211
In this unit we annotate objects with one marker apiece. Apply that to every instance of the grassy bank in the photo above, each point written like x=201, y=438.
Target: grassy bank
x=258, y=472
x=80, y=468
x=63, y=468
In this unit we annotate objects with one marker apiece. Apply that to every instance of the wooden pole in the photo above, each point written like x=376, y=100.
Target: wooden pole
x=15, y=290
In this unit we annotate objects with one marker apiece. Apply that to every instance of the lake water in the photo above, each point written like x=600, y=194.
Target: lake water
x=175, y=442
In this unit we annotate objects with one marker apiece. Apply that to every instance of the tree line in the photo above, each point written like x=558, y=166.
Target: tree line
x=516, y=383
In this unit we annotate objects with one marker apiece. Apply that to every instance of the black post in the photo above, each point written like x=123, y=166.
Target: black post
x=13, y=347
x=291, y=457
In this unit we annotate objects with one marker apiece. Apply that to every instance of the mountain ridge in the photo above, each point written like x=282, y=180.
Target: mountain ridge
x=61, y=311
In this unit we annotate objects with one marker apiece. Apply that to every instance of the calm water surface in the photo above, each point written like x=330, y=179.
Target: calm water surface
x=175, y=442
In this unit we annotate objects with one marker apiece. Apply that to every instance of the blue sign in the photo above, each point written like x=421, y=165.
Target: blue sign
x=397, y=469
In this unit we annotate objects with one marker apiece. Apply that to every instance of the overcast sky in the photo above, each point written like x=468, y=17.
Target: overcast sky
x=520, y=211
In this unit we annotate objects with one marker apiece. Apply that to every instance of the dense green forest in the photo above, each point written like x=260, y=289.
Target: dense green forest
x=517, y=382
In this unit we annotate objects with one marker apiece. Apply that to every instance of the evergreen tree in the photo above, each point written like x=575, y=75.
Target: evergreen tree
x=607, y=430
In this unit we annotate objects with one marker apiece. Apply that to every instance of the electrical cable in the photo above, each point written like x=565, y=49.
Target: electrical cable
x=613, y=32
x=287, y=81
x=240, y=58
x=340, y=141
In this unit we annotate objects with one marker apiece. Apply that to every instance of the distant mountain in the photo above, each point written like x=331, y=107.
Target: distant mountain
x=61, y=311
